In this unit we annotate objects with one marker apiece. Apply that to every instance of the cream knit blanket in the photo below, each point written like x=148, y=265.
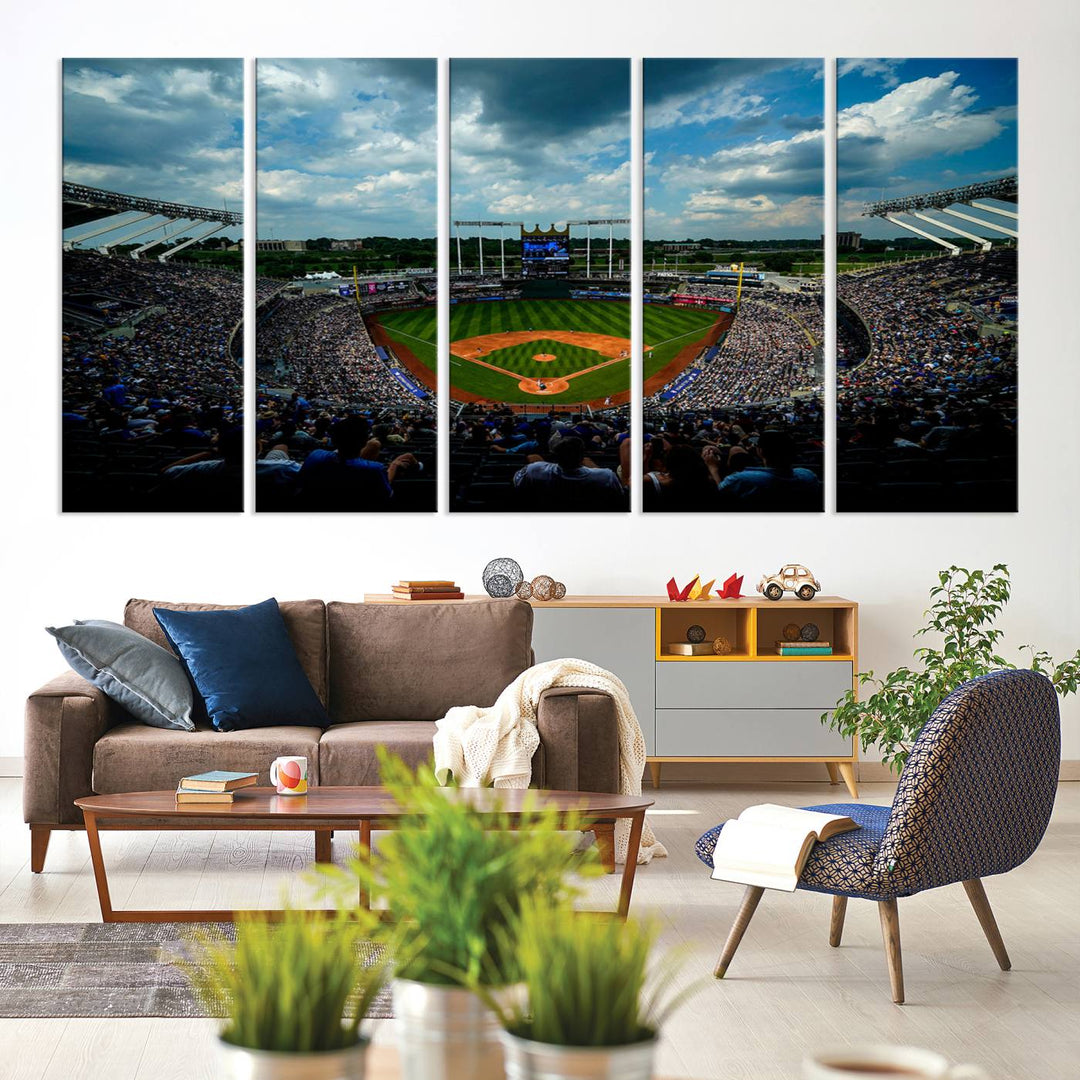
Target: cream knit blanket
x=495, y=746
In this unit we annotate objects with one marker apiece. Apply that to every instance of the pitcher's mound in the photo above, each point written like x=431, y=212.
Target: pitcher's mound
x=544, y=357
x=544, y=386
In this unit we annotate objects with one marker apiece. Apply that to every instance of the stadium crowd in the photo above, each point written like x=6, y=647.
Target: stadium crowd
x=153, y=405
x=935, y=399
x=765, y=356
x=336, y=430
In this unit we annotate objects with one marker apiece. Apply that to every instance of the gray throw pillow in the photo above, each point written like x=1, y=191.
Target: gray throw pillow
x=142, y=677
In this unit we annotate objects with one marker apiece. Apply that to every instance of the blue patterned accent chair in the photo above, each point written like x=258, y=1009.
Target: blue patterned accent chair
x=974, y=799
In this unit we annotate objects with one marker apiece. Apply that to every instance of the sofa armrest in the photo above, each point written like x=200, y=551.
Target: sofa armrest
x=64, y=719
x=579, y=734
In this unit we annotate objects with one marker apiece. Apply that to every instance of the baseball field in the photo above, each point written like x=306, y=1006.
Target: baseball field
x=530, y=351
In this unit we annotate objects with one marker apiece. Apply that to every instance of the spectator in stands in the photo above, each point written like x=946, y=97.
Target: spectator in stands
x=775, y=484
x=681, y=483
x=569, y=482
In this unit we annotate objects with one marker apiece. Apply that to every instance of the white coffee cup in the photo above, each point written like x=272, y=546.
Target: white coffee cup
x=871, y=1061
x=289, y=775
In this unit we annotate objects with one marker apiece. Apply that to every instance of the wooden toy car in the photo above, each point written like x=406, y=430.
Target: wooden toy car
x=791, y=578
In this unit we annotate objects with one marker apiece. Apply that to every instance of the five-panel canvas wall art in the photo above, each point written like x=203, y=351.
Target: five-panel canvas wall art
x=345, y=414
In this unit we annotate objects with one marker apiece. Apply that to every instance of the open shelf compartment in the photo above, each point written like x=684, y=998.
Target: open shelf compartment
x=735, y=624
x=836, y=625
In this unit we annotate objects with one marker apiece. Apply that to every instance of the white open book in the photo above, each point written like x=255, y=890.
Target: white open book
x=767, y=845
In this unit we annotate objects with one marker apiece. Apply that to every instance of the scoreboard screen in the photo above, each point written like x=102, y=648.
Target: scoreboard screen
x=545, y=257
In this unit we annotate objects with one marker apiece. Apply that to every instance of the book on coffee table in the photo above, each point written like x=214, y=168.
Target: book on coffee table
x=185, y=796
x=218, y=780
x=768, y=845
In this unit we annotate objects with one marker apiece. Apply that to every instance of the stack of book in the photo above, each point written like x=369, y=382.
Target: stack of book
x=804, y=648
x=213, y=787
x=427, y=590
x=687, y=648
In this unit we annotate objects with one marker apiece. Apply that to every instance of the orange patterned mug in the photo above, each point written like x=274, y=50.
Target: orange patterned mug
x=289, y=775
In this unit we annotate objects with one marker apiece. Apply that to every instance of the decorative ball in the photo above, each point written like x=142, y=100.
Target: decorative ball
x=524, y=590
x=543, y=587
x=695, y=634
x=560, y=590
x=501, y=577
x=721, y=646
x=810, y=632
x=791, y=632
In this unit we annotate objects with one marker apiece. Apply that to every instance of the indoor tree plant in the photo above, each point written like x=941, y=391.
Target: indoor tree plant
x=453, y=880
x=293, y=993
x=592, y=1006
x=964, y=608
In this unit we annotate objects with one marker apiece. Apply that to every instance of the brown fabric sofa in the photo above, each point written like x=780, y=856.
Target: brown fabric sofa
x=384, y=672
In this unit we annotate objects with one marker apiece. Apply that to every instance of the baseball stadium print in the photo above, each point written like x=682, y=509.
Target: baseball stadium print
x=540, y=348
x=346, y=285
x=733, y=321
x=152, y=285
x=926, y=300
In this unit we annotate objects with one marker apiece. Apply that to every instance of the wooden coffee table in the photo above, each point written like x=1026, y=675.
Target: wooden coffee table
x=323, y=810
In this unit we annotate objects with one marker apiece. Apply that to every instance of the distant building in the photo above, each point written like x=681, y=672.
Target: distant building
x=681, y=249
x=346, y=245
x=847, y=241
x=281, y=245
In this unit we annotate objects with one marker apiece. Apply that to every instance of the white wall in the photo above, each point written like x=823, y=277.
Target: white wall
x=57, y=567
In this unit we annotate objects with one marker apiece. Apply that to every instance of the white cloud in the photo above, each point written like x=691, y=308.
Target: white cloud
x=872, y=68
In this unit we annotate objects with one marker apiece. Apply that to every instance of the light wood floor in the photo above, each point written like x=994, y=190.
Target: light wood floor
x=786, y=991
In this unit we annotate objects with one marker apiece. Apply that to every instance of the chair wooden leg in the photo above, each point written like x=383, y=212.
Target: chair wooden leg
x=747, y=908
x=890, y=934
x=977, y=895
x=39, y=844
x=836, y=923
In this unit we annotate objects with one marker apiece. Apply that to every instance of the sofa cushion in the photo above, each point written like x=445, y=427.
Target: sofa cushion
x=244, y=665
x=305, y=621
x=347, y=751
x=414, y=662
x=133, y=757
x=145, y=679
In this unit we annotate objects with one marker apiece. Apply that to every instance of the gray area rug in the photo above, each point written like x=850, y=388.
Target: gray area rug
x=109, y=969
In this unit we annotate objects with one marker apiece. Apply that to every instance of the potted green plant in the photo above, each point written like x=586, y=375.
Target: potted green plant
x=592, y=1007
x=452, y=879
x=964, y=608
x=293, y=993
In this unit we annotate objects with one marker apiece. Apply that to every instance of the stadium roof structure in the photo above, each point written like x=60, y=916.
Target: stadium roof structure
x=1006, y=189
x=111, y=212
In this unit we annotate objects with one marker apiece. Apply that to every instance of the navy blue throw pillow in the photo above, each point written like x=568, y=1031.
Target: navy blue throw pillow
x=244, y=665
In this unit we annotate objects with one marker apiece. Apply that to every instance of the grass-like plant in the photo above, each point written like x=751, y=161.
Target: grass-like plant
x=588, y=979
x=965, y=605
x=294, y=986
x=453, y=877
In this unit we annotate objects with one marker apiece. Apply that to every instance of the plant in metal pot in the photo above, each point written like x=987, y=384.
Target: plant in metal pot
x=453, y=877
x=964, y=608
x=293, y=993
x=593, y=1003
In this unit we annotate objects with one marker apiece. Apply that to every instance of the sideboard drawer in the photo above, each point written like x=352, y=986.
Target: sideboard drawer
x=766, y=684
x=761, y=733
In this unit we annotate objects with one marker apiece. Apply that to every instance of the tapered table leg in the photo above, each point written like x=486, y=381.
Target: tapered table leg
x=637, y=823
x=100, y=879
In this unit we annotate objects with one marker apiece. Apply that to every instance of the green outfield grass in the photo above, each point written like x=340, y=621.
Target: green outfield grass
x=669, y=330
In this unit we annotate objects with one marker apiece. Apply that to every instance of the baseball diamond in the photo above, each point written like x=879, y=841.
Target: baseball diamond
x=575, y=351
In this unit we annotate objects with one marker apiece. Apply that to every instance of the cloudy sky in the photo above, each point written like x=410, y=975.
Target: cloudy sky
x=164, y=129
x=733, y=149
x=346, y=148
x=907, y=126
x=540, y=141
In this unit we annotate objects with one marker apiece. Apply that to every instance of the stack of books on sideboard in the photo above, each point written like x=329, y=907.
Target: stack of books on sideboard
x=427, y=590
x=217, y=786
x=804, y=648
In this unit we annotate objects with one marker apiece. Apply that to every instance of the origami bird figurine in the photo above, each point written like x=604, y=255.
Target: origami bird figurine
x=677, y=594
x=732, y=588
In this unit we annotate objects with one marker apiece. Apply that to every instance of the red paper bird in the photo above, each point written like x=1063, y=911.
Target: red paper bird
x=676, y=594
x=732, y=588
